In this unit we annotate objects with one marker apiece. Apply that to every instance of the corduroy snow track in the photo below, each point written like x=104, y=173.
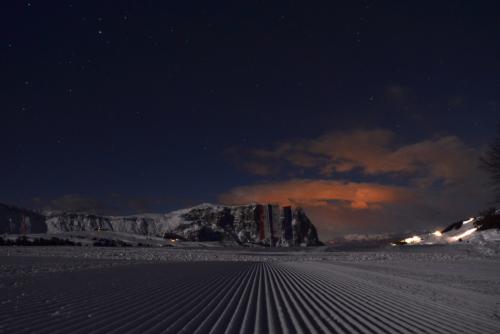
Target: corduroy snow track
x=228, y=297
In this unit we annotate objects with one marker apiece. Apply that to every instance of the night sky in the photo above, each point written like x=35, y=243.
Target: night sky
x=370, y=114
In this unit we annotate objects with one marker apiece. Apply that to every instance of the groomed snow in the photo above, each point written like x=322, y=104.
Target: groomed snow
x=440, y=289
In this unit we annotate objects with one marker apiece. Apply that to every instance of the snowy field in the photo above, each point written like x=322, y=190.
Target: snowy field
x=441, y=289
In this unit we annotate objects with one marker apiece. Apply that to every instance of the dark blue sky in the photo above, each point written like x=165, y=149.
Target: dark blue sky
x=143, y=100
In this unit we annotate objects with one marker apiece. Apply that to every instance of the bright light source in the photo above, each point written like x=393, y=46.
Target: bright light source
x=438, y=233
x=466, y=233
x=470, y=220
x=413, y=240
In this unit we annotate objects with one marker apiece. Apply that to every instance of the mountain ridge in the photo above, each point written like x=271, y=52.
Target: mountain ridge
x=253, y=223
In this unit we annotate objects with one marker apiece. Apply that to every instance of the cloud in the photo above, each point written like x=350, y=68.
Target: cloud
x=74, y=203
x=253, y=161
x=339, y=208
x=317, y=193
x=111, y=204
x=368, y=181
x=258, y=168
x=372, y=152
x=334, y=206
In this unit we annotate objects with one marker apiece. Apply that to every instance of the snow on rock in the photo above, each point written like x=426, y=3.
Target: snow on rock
x=70, y=222
x=205, y=222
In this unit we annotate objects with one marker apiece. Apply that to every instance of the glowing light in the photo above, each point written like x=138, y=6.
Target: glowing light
x=470, y=220
x=413, y=240
x=466, y=233
x=173, y=240
x=438, y=233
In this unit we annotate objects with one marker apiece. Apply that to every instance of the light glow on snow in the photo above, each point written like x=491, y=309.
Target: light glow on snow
x=470, y=220
x=438, y=233
x=413, y=240
x=466, y=233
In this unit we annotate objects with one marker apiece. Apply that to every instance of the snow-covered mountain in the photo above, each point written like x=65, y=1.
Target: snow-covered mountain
x=252, y=223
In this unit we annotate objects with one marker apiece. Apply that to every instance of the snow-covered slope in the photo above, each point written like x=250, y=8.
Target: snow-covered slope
x=266, y=294
x=475, y=230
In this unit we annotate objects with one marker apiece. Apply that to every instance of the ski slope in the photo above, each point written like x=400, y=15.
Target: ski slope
x=254, y=297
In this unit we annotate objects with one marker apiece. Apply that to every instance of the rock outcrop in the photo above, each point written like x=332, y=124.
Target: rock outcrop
x=16, y=220
x=246, y=224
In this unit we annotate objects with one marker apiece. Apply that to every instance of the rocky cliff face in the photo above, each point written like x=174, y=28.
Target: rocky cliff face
x=242, y=224
x=246, y=224
x=20, y=221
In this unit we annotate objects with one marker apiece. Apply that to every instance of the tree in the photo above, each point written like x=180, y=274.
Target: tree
x=491, y=162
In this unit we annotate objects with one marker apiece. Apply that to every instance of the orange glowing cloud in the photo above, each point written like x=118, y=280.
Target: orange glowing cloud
x=309, y=193
x=440, y=177
x=373, y=152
